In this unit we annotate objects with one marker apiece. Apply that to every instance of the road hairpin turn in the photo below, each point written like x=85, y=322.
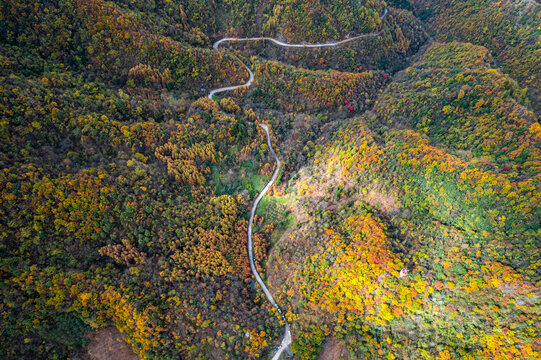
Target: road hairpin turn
x=286, y=341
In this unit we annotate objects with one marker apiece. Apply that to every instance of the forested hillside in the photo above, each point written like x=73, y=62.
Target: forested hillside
x=404, y=222
x=385, y=191
x=511, y=30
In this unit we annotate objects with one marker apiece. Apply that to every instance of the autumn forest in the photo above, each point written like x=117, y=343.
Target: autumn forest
x=263, y=179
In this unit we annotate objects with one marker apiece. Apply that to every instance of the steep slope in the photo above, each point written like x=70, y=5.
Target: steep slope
x=120, y=197
x=509, y=29
x=460, y=102
x=297, y=20
x=110, y=43
x=124, y=222
x=400, y=35
x=373, y=202
x=125, y=192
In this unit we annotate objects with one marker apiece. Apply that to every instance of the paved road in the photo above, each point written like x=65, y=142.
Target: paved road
x=230, y=88
x=284, y=44
x=280, y=43
x=286, y=341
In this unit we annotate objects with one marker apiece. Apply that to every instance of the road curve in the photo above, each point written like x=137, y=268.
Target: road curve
x=280, y=43
x=286, y=340
x=284, y=44
x=230, y=88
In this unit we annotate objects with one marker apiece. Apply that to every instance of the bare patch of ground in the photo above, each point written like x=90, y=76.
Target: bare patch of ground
x=383, y=201
x=107, y=344
x=334, y=349
x=286, y=252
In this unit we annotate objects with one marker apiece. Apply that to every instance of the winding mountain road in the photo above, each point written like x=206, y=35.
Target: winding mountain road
x=286, y=341
x=317, y=45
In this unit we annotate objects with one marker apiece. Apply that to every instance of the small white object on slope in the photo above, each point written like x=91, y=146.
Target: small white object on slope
x=404, y=272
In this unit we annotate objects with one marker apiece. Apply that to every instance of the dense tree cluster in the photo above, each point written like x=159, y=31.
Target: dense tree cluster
x=95, y=230
x=125, y=191
x=293, y=89
x=381, y=196
x=386, y=48
x=509, y=29
x=297, y=20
